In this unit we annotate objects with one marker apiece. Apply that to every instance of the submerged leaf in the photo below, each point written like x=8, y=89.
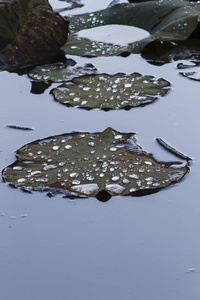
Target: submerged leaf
x=74, y=4
x=165, y=21
x=30, y=33
x=192, y=64
x=195, y=75
x=164, y=52
x=111, y=92
x=60, y=72
x=99, y=165
x=192, y=75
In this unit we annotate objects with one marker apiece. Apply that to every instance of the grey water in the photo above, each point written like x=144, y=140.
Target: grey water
x=144, y=248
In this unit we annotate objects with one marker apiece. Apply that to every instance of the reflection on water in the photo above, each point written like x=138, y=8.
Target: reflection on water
x=39, y=87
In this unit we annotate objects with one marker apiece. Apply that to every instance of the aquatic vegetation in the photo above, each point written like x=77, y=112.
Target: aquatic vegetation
x=60, y=72
x=172, y=25
x=83, y=164
x=110, y=163
x=111, y=92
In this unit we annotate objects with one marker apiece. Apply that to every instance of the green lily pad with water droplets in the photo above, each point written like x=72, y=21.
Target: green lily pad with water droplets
x=83, y=164
x=111, y=92
x=60, y=72
x=84, y=47
x=166, y=21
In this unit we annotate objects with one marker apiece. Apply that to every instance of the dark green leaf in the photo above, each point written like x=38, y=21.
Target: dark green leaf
x=60, y=72
x=111, y=92
x=99, y=165
x=166, y=21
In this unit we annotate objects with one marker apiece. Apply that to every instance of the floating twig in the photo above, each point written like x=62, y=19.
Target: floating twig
x=19, y=127
x=173, y=150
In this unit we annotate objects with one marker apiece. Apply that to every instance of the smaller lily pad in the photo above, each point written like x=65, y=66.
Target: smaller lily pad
x=111, y=92
x=83, y=164
x=60, y=72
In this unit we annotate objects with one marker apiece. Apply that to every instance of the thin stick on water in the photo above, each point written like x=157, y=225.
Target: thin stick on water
x=173, y=150
x=19, y=127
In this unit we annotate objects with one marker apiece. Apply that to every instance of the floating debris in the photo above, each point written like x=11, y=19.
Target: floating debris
x=24, y=216
x=173, y=150
x=19, y=127
x=191, y=75
x=191, y=270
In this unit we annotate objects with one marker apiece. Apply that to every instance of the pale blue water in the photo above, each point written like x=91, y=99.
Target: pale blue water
x=125, y=249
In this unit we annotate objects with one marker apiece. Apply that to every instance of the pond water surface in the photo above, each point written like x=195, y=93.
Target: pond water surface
x=128, y=248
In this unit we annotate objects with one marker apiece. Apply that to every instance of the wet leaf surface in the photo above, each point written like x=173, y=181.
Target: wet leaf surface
x=60, y=72
x=168, y=21
x=111, y=92
x=30, y=34
x=83, y=164
x=85, y=47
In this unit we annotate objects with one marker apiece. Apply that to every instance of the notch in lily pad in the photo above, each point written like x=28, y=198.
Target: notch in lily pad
x=83, y=164
x=106, y=92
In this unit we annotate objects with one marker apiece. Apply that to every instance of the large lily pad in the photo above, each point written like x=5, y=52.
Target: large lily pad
x=165, y=20
x=60, y=72
x=98, y=165
x=111, y=92
x=30, y=33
